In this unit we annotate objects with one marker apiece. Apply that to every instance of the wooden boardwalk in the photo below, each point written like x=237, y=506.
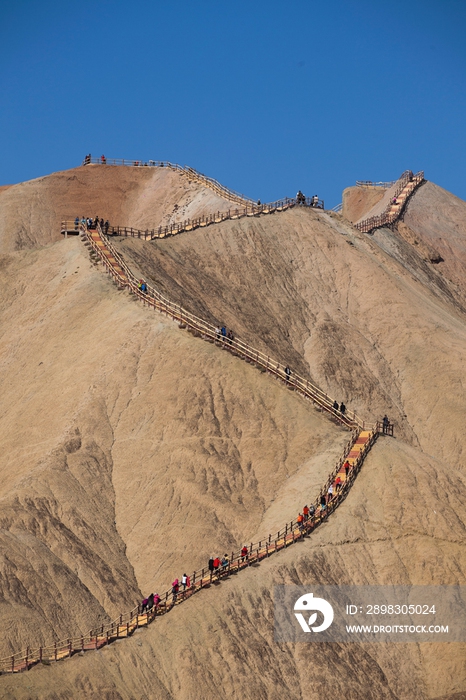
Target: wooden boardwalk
x=405, y=187
x=332, y=493
x=240, y=560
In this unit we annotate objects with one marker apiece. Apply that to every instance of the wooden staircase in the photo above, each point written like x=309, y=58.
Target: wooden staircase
x=341, y=480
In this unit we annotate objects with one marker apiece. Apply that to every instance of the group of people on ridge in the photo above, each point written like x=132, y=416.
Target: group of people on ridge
x=92, y=223
x=301, y=199
x=87, y=159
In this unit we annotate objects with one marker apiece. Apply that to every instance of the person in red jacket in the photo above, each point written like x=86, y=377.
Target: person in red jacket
x=244, y=553
x=347, y=468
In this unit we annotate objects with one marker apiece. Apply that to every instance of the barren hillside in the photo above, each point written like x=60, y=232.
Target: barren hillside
x=435, y=224
x=310, y=290
x=358, y=201
x=137, y=197
x=132, y=450
x=103, y=452
x=221, y=641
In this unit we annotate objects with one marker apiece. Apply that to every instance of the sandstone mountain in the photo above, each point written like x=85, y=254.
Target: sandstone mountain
x=132, y=450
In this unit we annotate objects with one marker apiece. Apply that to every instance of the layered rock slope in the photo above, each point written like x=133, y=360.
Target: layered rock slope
x=132, y=451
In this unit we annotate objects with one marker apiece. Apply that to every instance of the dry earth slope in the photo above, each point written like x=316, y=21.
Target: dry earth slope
x=130, y=449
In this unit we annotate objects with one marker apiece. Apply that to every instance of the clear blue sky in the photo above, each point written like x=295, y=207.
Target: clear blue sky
x=267, y=97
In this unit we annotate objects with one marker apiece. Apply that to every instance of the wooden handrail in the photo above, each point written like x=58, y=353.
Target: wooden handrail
x=183, y=169
x=155, y=299
x=195, y=175
x=208, y=219
x=129, y=621
x=201, y=221
x=369, y=183
x=407, y=182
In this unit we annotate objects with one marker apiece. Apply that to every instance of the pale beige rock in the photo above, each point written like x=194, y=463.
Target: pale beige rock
x=438, y=219
x=223, y=637
x=127, y=196
x=358, y=201
x=380, y=206
x=135, y=448
x=97, y=438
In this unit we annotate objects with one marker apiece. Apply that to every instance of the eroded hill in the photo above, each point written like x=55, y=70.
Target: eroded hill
x=128, y=196
x=104, y=454
x=131, y=450
x=335, y=304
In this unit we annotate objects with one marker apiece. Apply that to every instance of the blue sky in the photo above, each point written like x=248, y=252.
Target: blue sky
x=267, y=97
